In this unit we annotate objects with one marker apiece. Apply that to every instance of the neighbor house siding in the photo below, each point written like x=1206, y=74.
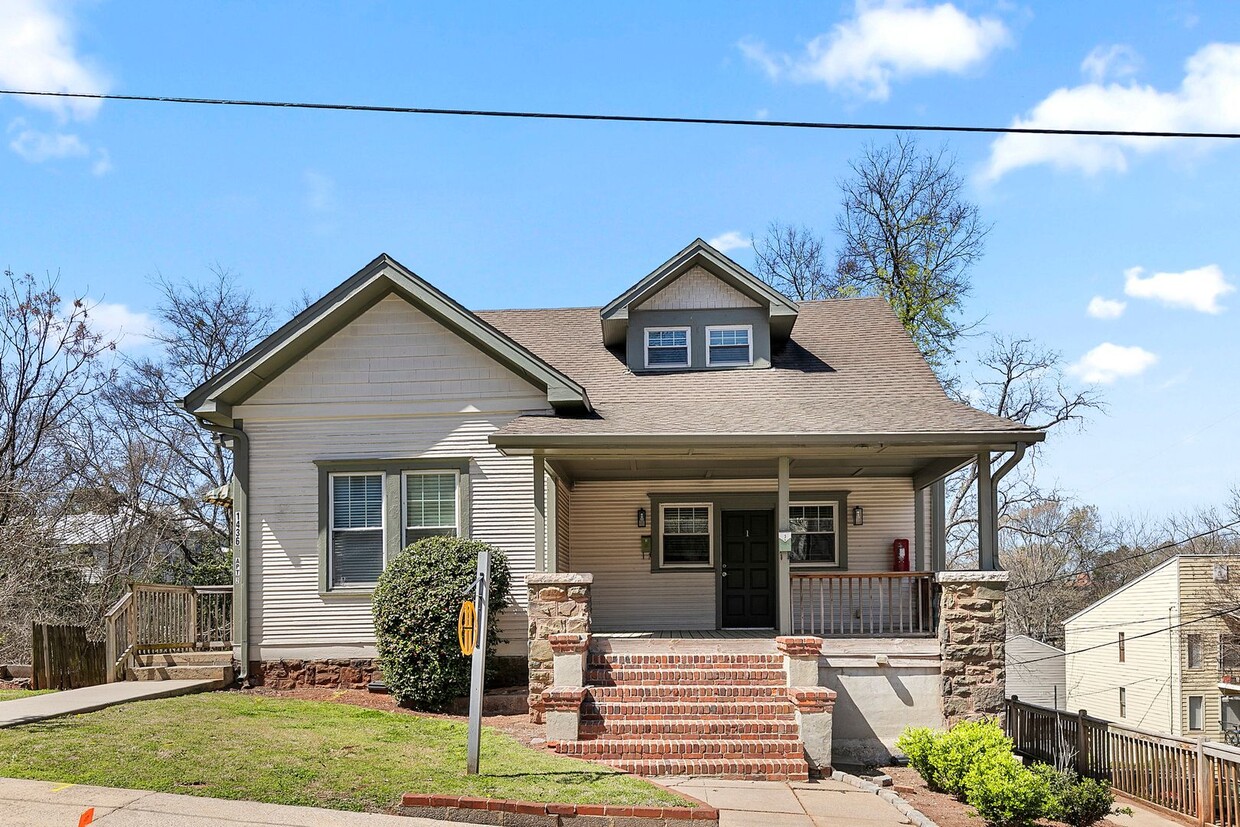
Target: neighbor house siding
x=1201, y=595
x=1035, y=672
x=1149, y=670
x=606, y=541
x=695, y=290
x=394, y=384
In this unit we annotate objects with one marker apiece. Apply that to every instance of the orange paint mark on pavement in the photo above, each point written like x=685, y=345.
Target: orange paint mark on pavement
x=88, y=817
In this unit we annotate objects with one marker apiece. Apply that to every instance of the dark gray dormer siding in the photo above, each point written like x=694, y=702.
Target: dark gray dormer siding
x=697, y=321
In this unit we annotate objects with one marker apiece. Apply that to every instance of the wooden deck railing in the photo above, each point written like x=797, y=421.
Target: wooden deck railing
x=1199, y=779
x=154, y=617
x=864, y=604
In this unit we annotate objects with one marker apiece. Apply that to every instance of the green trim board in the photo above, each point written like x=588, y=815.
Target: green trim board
x=393, y=471
x=384, y=276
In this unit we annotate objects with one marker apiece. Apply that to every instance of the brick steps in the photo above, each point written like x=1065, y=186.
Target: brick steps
x=642, y=749
x=753, y=769
x=632, y=710
x=684, y=677
x=704, y=692
x=613, y=660
x=694, y=728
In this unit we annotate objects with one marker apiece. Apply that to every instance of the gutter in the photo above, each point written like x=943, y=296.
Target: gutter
x=240, y=540
x=517, y=442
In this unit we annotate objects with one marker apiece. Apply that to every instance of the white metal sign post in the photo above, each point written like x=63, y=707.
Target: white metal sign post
x=478, y=677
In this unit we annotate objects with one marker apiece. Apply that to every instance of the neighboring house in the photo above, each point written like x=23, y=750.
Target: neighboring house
x=1139, y=671
x=725, y=462
x=1035, y=672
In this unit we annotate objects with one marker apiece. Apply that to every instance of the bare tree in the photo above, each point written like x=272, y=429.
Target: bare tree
x=908, y=234
x=791, y=259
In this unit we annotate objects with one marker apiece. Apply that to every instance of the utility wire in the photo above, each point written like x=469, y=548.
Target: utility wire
x=1115, y=642
x=655, y=119
x=1116, y=562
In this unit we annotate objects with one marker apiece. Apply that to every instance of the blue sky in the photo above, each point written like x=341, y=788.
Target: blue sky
x=504, y=213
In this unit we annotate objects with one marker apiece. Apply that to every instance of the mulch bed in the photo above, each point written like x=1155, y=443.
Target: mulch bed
x=945, y=810
x=518, y=726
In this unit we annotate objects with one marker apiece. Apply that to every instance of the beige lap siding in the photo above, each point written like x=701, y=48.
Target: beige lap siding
x=392, y=385
x=627, y=596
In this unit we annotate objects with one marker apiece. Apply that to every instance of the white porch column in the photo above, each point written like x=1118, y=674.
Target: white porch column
x=783, y=522
x=987, y=524
x=540, y=513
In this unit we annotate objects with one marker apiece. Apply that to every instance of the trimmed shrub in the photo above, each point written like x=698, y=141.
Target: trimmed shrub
x=1076, y=801
x=916, y=743
x=954, y=753
x=415, y=609
x=1004, y=792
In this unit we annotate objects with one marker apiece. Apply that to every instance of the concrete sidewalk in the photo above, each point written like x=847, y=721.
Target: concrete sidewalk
x=88, y=699
x=797, y=804
x=44, y=804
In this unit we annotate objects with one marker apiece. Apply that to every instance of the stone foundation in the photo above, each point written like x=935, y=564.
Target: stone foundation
x=558, y=604
x=302, y=674
x=972, y=630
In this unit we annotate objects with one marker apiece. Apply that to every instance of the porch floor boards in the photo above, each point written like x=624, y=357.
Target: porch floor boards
x=693, y=634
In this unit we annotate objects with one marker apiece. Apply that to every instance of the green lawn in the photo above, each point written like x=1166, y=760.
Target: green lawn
x=321, y=754
x=14, y=694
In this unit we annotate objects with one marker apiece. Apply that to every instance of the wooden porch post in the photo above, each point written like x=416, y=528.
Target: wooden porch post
x=919, y=529
x=987, y=525
x=540, y=513
x=938, y=525
x=783, y=522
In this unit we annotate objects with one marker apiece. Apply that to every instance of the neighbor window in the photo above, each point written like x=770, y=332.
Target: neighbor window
x=1196, y=712
x=355, y=531
x=813, y=534
x=1195, y=652
x=430, y=504
x=1121, y=647
x=1123, y=703
x=686, y=535
x=731, y=345
x=667, y=347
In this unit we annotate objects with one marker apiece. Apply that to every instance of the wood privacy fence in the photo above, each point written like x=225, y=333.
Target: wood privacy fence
x=63, y=658
x=1199, y=779
x=152, y=617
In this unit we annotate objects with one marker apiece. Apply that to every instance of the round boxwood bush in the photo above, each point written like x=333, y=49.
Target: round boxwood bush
x=415, y=608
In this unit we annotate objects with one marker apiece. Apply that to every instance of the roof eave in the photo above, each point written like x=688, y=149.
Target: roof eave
x=999, y=439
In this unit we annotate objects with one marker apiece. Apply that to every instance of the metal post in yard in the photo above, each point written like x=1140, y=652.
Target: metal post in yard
x=479, y=663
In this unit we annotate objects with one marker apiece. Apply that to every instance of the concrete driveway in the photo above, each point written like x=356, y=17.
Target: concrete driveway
x=798, y=804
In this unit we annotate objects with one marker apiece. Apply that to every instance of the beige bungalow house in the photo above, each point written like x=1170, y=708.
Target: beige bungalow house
x=678, y=478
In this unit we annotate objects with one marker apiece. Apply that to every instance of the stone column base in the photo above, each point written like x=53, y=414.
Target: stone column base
x=815, y=706
x=563, y=709
x=972, y=630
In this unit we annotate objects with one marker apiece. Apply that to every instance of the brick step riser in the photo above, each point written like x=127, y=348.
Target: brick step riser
x=675, y=677
x=697, y=729
x=685, y=662
x=723, y=712
x=760, y=769
x=687, y=694
x=681, y=750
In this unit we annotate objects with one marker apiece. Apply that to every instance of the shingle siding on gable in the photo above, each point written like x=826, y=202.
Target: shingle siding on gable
x=695, y=290
x=394, y=384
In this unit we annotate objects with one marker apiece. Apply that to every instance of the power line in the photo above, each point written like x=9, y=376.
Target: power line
x=1115, y=642
x=652, y=119
x=1116, y=562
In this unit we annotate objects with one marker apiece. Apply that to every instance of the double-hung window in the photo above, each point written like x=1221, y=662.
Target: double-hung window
x=1196, y=651
x=667, y=347
x=355, y=534
x=686, y=536
x=729, y=345
x=814, y=540
x=431, y=504
x=1196, y=712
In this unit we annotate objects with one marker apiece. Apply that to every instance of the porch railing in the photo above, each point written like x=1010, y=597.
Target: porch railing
x=871, y=604
x=154, y=617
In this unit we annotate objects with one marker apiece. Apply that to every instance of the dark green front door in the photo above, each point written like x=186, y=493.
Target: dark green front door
x=748, y=576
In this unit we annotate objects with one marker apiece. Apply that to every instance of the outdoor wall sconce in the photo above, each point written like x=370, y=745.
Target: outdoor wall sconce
x=641, y=518
x=858, y=515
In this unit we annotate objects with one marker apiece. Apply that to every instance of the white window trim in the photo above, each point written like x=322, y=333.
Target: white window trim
x=835, y=521
x=745, y=327
x=404, y=500
x=1189, y=713
x=710, y=534
x=331, y=527
x=688, y=346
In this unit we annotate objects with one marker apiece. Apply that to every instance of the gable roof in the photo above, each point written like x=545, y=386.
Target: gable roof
x=782, y=310
x=382, y=277
x=1051, y=650
x=1173, y=560
x=849, y=370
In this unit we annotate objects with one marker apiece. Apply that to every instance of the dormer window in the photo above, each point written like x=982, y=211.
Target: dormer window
x=667, y=347
x=729, y=345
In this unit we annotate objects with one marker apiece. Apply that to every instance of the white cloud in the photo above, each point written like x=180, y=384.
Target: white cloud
x=729, y=241
x=1101, y=308
x=36, y=146
x=1107, y=362
x=103, y=163
x=885, y=41
x=1198, y=289
x=1110, y=62
x=37, y=53
x=117, y=323
x=1208, y=99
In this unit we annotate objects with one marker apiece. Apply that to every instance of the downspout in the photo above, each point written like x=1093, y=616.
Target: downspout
x=993, y=525
x=240, y=540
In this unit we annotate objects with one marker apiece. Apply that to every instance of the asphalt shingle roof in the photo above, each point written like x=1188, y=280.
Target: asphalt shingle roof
x=849, y=368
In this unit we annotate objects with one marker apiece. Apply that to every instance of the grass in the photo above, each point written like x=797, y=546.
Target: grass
x=310, y=753
x=14, y=694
